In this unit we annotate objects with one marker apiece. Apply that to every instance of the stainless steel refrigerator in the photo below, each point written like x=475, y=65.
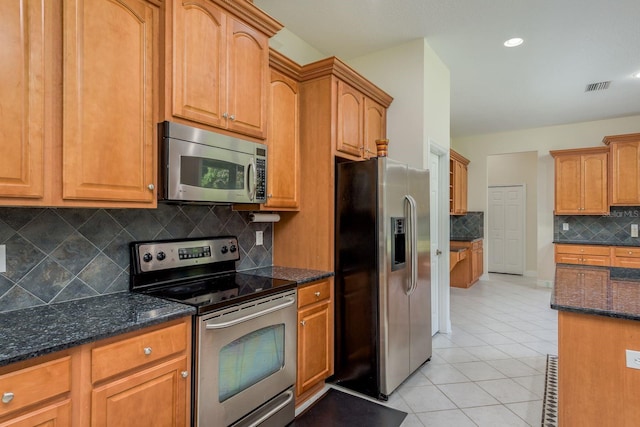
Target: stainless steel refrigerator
x=383, y=274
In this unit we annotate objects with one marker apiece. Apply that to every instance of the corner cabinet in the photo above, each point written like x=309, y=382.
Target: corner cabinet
x=458, y=183
x=219, y=64
x=624, y=169
x=315, y=337
x=581, y=181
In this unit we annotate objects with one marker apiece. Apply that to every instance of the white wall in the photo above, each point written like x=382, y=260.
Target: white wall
x=293, y=47
x=517, y=169
x=576, y=135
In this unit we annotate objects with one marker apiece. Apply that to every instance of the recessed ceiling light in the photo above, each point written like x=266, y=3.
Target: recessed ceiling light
x=516, y=41
x=637, y=75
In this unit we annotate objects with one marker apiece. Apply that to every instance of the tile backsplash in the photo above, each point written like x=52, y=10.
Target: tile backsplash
x=469, y=226
x=56, y=255
x=612, y=229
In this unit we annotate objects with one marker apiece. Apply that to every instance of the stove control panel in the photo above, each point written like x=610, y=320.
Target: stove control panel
x=162, y=255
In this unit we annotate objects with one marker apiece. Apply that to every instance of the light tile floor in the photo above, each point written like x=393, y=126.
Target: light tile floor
x=490, y=370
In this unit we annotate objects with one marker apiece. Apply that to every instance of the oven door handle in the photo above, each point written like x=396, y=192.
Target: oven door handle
x=287, y=396
x=268, y=309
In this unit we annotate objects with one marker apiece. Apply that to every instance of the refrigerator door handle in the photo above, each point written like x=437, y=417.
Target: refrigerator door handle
x=413, y=242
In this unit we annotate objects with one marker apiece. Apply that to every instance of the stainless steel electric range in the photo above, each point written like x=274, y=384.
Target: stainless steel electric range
x=244, y=343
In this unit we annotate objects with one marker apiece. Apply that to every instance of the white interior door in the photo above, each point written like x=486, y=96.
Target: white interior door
x=434, y=174
x=506, y=219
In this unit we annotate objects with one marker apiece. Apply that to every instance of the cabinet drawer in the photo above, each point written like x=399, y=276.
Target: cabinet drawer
x=583, y=249
x=476, y=245
x=313, y=293
x=627, y=252
x=139, y=350
x=35, y=384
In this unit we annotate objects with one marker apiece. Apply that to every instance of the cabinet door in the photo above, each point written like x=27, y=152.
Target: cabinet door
x=567, y=184
x=283, y=170
x=314, y=346
x=459, y=188
x=349, y=138
x=199, y=62
x=110, y=90
x=57, y=414
x=375, y=126
x=625, y=173
x=22, y=104
x=594, y=183
x=153, y=397
x=248, y=54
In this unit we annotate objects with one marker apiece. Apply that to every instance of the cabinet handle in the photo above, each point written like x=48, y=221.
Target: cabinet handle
x=303, y=322
x=269, y=195
x=184, y=374
x=317, y=294
x=630, y=253
x=232, y=117
x=7, y=397
x=225, y=115
x=151, y=187
x=147, y=350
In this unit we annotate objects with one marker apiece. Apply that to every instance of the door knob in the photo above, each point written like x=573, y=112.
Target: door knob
x=438, y=252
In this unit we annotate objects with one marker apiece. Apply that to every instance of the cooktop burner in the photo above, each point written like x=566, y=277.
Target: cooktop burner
x=199, y=272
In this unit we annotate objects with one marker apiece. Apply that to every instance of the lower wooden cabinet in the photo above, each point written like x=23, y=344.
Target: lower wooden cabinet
x=627, y=257
x=583, y=287
x=137, y=379
x=470, y=265
x=583, y=254
x=315, y=337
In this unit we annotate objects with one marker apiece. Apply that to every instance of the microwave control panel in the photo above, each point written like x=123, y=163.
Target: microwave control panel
x=261, y=171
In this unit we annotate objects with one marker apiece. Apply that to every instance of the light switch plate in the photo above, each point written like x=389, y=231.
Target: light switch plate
x=259, y=238
x=565, y=226
x=634, y=230
x=633, y=359
x=3, y=258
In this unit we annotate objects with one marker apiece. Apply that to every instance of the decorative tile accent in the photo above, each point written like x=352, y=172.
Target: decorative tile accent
x=56, y=255
x=612, y=229
x=550, y=402
x=469, y=226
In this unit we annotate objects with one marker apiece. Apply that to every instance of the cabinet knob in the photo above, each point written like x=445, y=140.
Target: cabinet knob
x=225, y=115
x=317, y=294
x=7, y=397
x=269, y=195
x=232, y=117
x=151, y=187
x=303, y=322
x=147, y=350
x=184, y=374
x=630, y=253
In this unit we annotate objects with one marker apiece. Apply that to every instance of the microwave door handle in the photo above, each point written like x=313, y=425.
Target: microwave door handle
x=252, y=183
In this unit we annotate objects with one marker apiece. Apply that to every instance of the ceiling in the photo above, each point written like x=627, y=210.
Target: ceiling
x=568, y=44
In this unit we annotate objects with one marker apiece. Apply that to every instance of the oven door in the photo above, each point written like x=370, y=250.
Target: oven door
x=202, y=173
x=246, y=361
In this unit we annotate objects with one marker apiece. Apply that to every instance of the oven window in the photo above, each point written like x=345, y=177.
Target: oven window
x=209, y=173
x=249, y=359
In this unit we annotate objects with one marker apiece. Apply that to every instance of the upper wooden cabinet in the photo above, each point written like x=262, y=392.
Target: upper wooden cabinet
x=83, y=132
x=219, y=64
x=581, y=181
x=458, y=183
x=624, y=172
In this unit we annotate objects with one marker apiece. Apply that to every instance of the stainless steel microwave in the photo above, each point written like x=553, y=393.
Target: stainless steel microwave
x=207, y=167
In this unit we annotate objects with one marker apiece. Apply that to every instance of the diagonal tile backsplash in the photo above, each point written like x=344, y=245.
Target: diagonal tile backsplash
x=612, y=229
x=56, y=255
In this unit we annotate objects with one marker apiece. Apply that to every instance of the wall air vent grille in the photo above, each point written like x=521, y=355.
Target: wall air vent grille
x=597, y=86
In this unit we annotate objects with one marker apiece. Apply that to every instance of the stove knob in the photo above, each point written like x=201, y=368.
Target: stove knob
x=160, y=256
x=233, y=248
x=224, y=249
x=147, y=257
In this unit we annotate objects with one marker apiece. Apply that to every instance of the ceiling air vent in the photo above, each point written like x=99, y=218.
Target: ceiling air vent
x=597, y=86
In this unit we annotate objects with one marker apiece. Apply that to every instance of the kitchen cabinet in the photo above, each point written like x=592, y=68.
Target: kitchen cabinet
x=586, y=287
x=469, y=266
x=599, y=255
x=283, y=135
x=458, y=183
x=581, y=181
x=219, y=67
x=38, y=392
x=624, y=174
x=625, y=256
x=305, y=239
x=119, y=381
x=315, y=338
x=83, y=132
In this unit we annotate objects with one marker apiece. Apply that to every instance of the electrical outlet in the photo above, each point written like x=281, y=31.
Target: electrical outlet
x=565, y=226
x=633, y=359
x=634, y=230
x=259, y=238
x=3, y=258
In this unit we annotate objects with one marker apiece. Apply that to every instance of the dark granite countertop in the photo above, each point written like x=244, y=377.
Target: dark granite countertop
x=583, y=242
x=604, y=299
x=37, y=331
x=457, y=249
x=298, y=275
x=465, y=238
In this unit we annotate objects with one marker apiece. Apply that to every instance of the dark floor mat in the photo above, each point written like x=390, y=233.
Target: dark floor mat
x=338, y=409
